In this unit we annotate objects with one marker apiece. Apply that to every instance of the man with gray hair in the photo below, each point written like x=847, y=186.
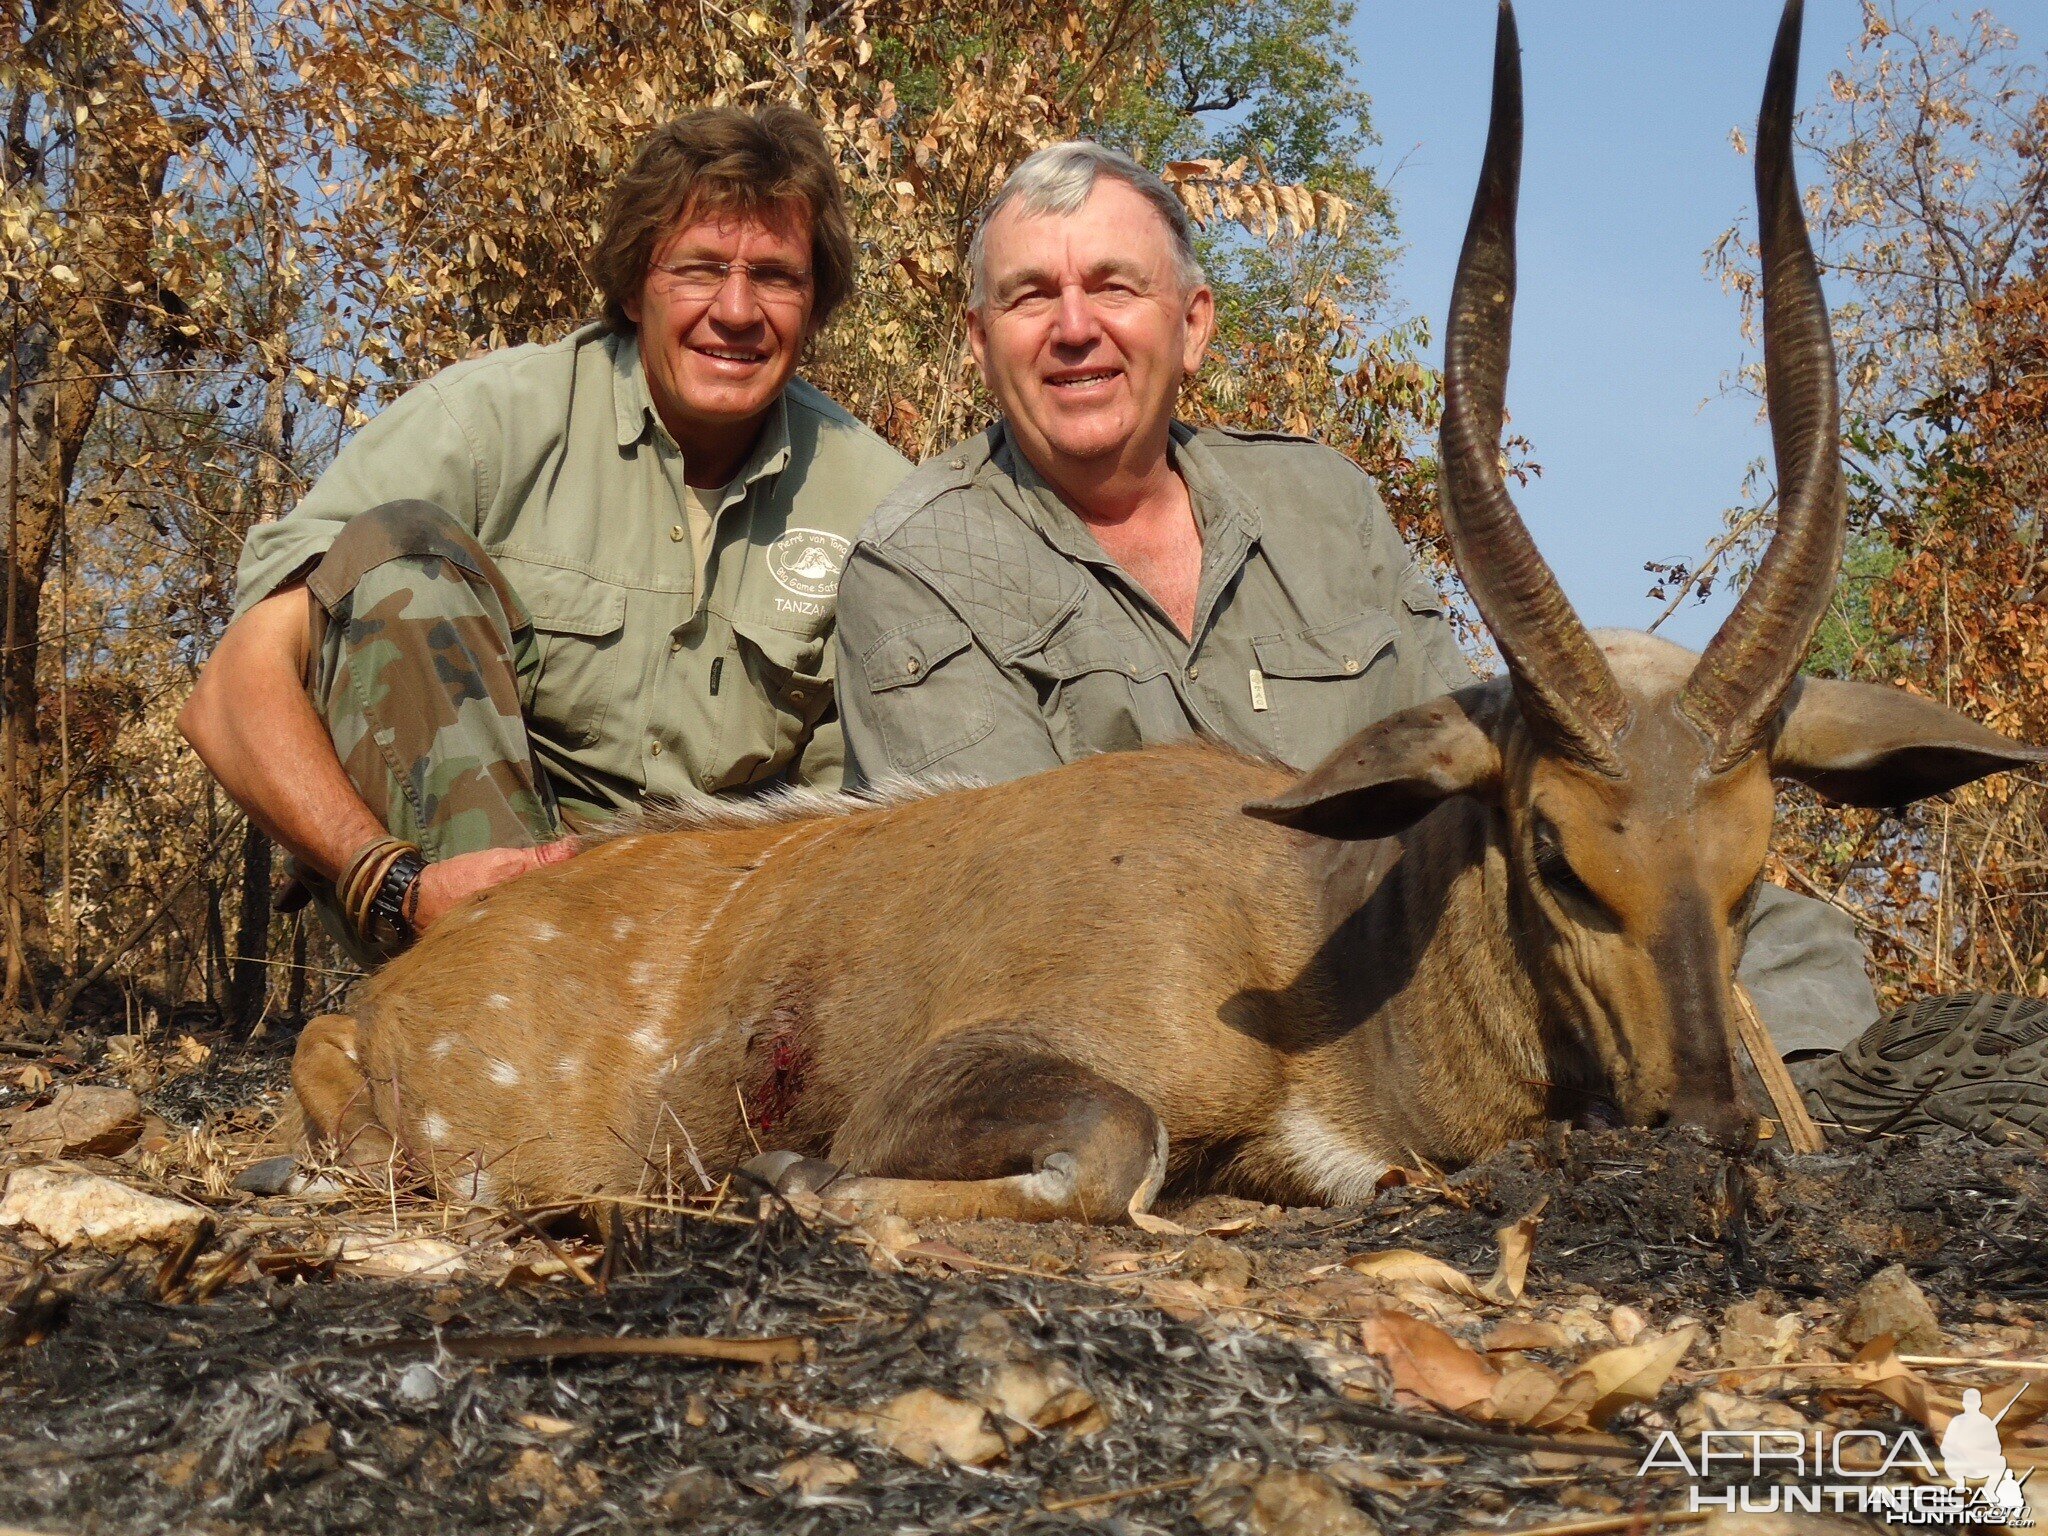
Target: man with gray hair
x=1091, y=575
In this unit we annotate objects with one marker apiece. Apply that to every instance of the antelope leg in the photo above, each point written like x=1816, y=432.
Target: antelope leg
x=993, y=1124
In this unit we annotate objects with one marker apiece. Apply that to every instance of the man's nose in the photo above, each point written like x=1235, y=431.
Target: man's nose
x=737, y=305
x=1076, y=323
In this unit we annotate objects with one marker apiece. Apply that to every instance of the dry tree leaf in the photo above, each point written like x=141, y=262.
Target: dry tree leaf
x=1516, y=1334
x=923, y=1426
x=1517, y=1241
x=1405, y=1264
x=1426, y=1364
x=1609, y=1381
x=1158, y=1226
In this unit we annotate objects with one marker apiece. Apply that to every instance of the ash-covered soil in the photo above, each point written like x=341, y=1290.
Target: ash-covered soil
x=295, y=1398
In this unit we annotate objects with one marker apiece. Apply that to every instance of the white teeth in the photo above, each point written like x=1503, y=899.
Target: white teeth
x=1093, y=378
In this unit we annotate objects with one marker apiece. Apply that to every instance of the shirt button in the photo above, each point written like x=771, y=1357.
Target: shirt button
x=654, y=749
x=674, y=644
x=1194, y=672
x=675, y=533
x=912, y=665
x=1350, y=663
x=795, y=695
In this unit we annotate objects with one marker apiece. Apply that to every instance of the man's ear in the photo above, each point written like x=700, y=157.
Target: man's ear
x=1866, y=744
x=1392, y=774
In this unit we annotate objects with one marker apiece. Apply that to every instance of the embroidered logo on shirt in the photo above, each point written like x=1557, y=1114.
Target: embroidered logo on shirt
x=807, y=562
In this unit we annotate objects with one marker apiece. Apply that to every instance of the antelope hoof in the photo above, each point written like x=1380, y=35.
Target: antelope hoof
x=789, y=1173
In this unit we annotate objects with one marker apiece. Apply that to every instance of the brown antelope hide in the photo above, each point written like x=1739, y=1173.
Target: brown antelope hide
x=1046, y=998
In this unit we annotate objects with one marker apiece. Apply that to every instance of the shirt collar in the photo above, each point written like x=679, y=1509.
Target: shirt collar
x=636, y=414
x=1220, y=508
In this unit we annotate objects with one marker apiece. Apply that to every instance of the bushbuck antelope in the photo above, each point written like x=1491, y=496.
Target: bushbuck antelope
x=1045, y=998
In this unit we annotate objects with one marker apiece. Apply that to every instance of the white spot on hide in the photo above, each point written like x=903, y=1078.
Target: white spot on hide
x=443, y=1047
x=647, y=1038
x=498, y=1000
x=544, y=932
x=503, y=1073
x=641, y=973
x=568, y=1066
x=623, y=928
x=1343, y=1172
x=434, y=1128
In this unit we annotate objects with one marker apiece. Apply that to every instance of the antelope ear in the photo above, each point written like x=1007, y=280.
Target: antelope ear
x=1392, y=774
x=1866, y=744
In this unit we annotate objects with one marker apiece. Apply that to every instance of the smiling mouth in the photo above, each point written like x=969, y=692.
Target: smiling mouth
x=1084, y=380
x=733, y=354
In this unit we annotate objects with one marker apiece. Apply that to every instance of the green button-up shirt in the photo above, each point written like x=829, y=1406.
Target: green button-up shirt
x=984, y=632
x=554, y=457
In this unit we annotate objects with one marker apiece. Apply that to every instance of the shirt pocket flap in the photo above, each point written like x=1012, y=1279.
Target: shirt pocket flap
x=910, y=654
x=784, y=649
x=1078, y=649
x=1419, y=595
x=564, y=601
x=1343, y=649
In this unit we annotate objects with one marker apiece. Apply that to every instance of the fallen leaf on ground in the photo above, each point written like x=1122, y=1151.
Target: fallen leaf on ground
x=1517, y=1241
x=1396, y=1265
x=1608, y=1381
x=924, y=1426
x=1516, y=1334
x=815, y=1474
x=1427, y=1364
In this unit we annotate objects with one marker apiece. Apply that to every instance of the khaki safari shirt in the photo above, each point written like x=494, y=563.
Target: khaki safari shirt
x=984, y=632
x=649, y=681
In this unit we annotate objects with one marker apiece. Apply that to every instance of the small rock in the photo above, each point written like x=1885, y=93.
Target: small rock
x=271, y=1176
x=81, y=1122
x=307, y=1451
x=691, y=1495
x=1750, y=1335
x=76, y=1209
x=1628, y=1324
x=400, y=1258
x=419, y=1383
x=1712, y=1410
x=812, y=1475
x=1237, y=1497
x=1216, y=1264
x=1890, y=1303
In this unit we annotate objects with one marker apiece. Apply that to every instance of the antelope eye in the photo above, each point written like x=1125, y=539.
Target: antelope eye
x=1556, y=870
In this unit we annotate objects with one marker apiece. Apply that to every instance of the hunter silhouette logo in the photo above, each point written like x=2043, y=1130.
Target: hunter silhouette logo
x=807, y=562
x=1972, y=1452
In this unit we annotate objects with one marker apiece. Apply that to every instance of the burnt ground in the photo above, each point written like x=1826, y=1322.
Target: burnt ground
x=298, y=1395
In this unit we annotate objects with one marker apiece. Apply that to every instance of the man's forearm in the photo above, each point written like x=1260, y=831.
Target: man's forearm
x=256, y=730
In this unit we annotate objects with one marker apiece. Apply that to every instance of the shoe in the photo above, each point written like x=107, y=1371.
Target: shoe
x=1976, y=1062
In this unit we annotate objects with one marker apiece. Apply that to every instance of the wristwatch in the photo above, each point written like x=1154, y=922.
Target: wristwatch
x=390, y=902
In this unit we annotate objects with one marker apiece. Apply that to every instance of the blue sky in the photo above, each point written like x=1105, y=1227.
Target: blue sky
x=1621, y=338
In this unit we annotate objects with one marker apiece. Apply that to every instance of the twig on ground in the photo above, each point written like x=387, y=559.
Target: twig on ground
x=1118, y=1495
x=1464, y=1434
x=776, y=1351
x=1645, y=1521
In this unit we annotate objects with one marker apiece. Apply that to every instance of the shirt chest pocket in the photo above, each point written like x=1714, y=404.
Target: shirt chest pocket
x=771, y=708
x=579, y=624
x=1323, y=684
x=1096, y=696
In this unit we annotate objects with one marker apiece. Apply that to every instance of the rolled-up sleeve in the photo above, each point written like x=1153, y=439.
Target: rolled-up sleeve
x=414, y=450
x=918, y=695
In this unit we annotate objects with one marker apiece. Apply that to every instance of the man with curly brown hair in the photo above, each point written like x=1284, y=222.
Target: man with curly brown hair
x=554, y=580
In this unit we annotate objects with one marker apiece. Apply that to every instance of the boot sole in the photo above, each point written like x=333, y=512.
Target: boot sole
x=1975, y=1063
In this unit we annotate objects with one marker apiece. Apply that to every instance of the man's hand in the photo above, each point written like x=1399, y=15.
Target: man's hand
x=446, y=883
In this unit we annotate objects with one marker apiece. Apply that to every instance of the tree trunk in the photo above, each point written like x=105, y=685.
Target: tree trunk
x=64, y=347
x=249, y=986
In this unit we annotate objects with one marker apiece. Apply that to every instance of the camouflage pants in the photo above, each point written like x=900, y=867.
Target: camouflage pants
x=419, y=648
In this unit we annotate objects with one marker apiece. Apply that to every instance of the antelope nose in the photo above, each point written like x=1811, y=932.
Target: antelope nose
x=1727, y=1122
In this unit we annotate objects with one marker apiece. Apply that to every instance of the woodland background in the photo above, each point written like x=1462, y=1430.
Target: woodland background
x=229, y=231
